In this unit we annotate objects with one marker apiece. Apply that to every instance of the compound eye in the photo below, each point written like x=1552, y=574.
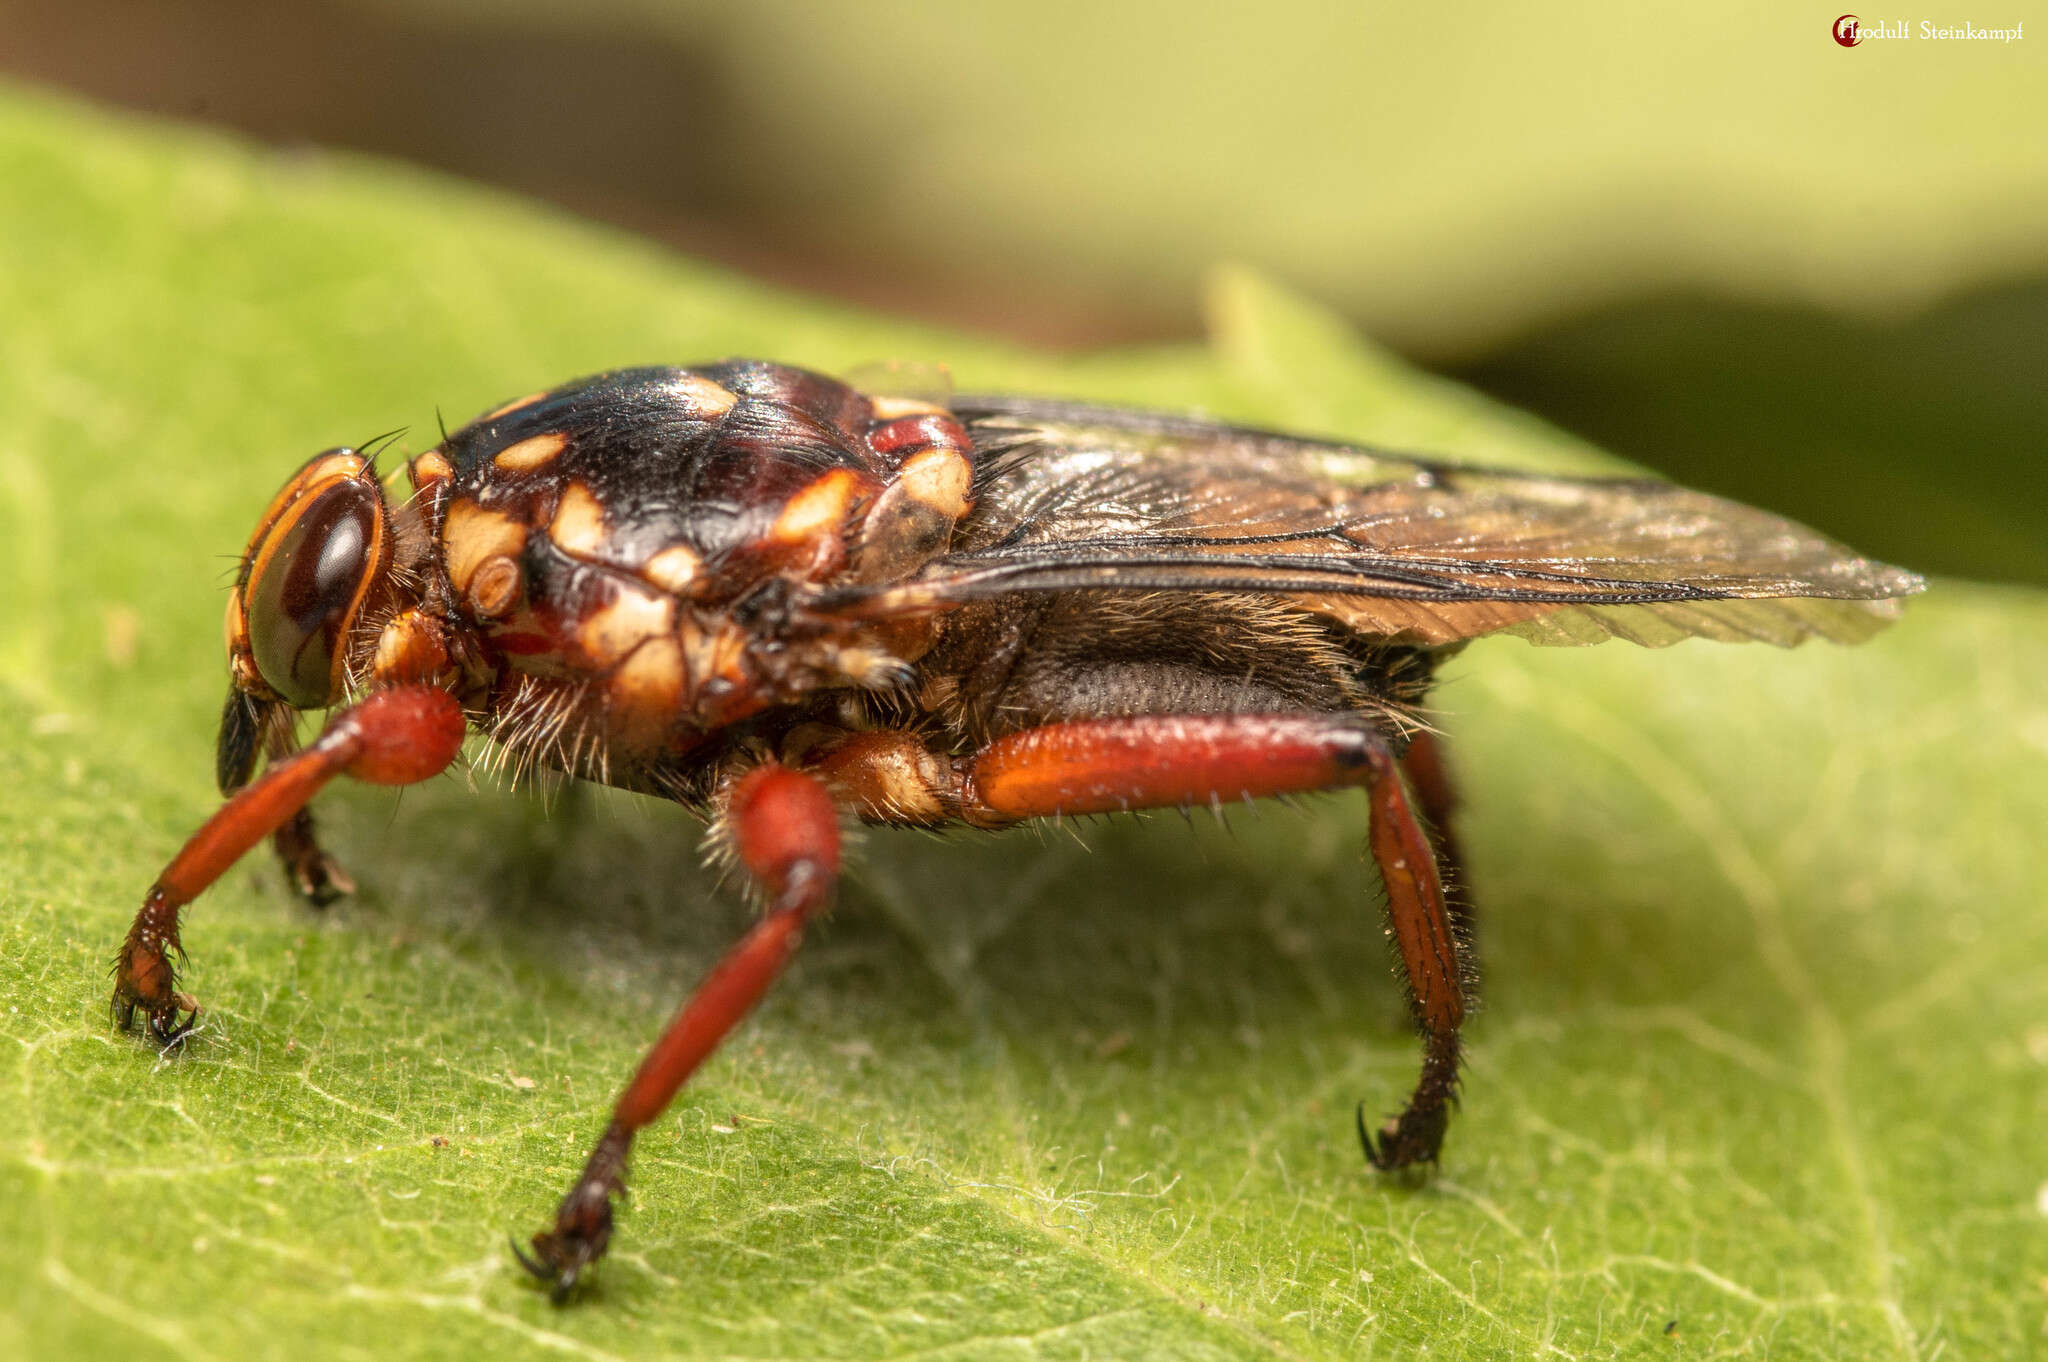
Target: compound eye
x=308, y=581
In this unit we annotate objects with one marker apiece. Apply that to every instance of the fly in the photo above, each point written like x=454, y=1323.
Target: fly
x=779, y=600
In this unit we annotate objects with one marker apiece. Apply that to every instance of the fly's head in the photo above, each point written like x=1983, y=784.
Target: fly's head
x=331, y=561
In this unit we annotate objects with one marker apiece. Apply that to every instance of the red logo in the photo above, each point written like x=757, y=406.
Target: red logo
x=1845, y=31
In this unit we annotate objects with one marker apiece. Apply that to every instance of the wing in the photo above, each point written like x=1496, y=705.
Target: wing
x=1071, y=497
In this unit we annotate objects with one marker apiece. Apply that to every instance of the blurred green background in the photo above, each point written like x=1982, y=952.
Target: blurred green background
x=1712, y=240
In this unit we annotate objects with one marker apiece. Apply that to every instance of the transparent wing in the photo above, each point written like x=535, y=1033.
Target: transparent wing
x=1079, y=498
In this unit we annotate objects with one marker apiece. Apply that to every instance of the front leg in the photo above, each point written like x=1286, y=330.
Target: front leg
x=317, y=876
x=785, y=830
x=247, y=723
x=393, y=737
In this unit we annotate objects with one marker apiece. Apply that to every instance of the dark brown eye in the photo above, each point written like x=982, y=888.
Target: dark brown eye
x=307, y=585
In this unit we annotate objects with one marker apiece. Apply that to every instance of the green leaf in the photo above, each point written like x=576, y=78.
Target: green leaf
x=1763, y=1055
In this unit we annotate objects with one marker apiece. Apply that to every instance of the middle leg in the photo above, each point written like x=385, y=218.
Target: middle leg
x=785, y=830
